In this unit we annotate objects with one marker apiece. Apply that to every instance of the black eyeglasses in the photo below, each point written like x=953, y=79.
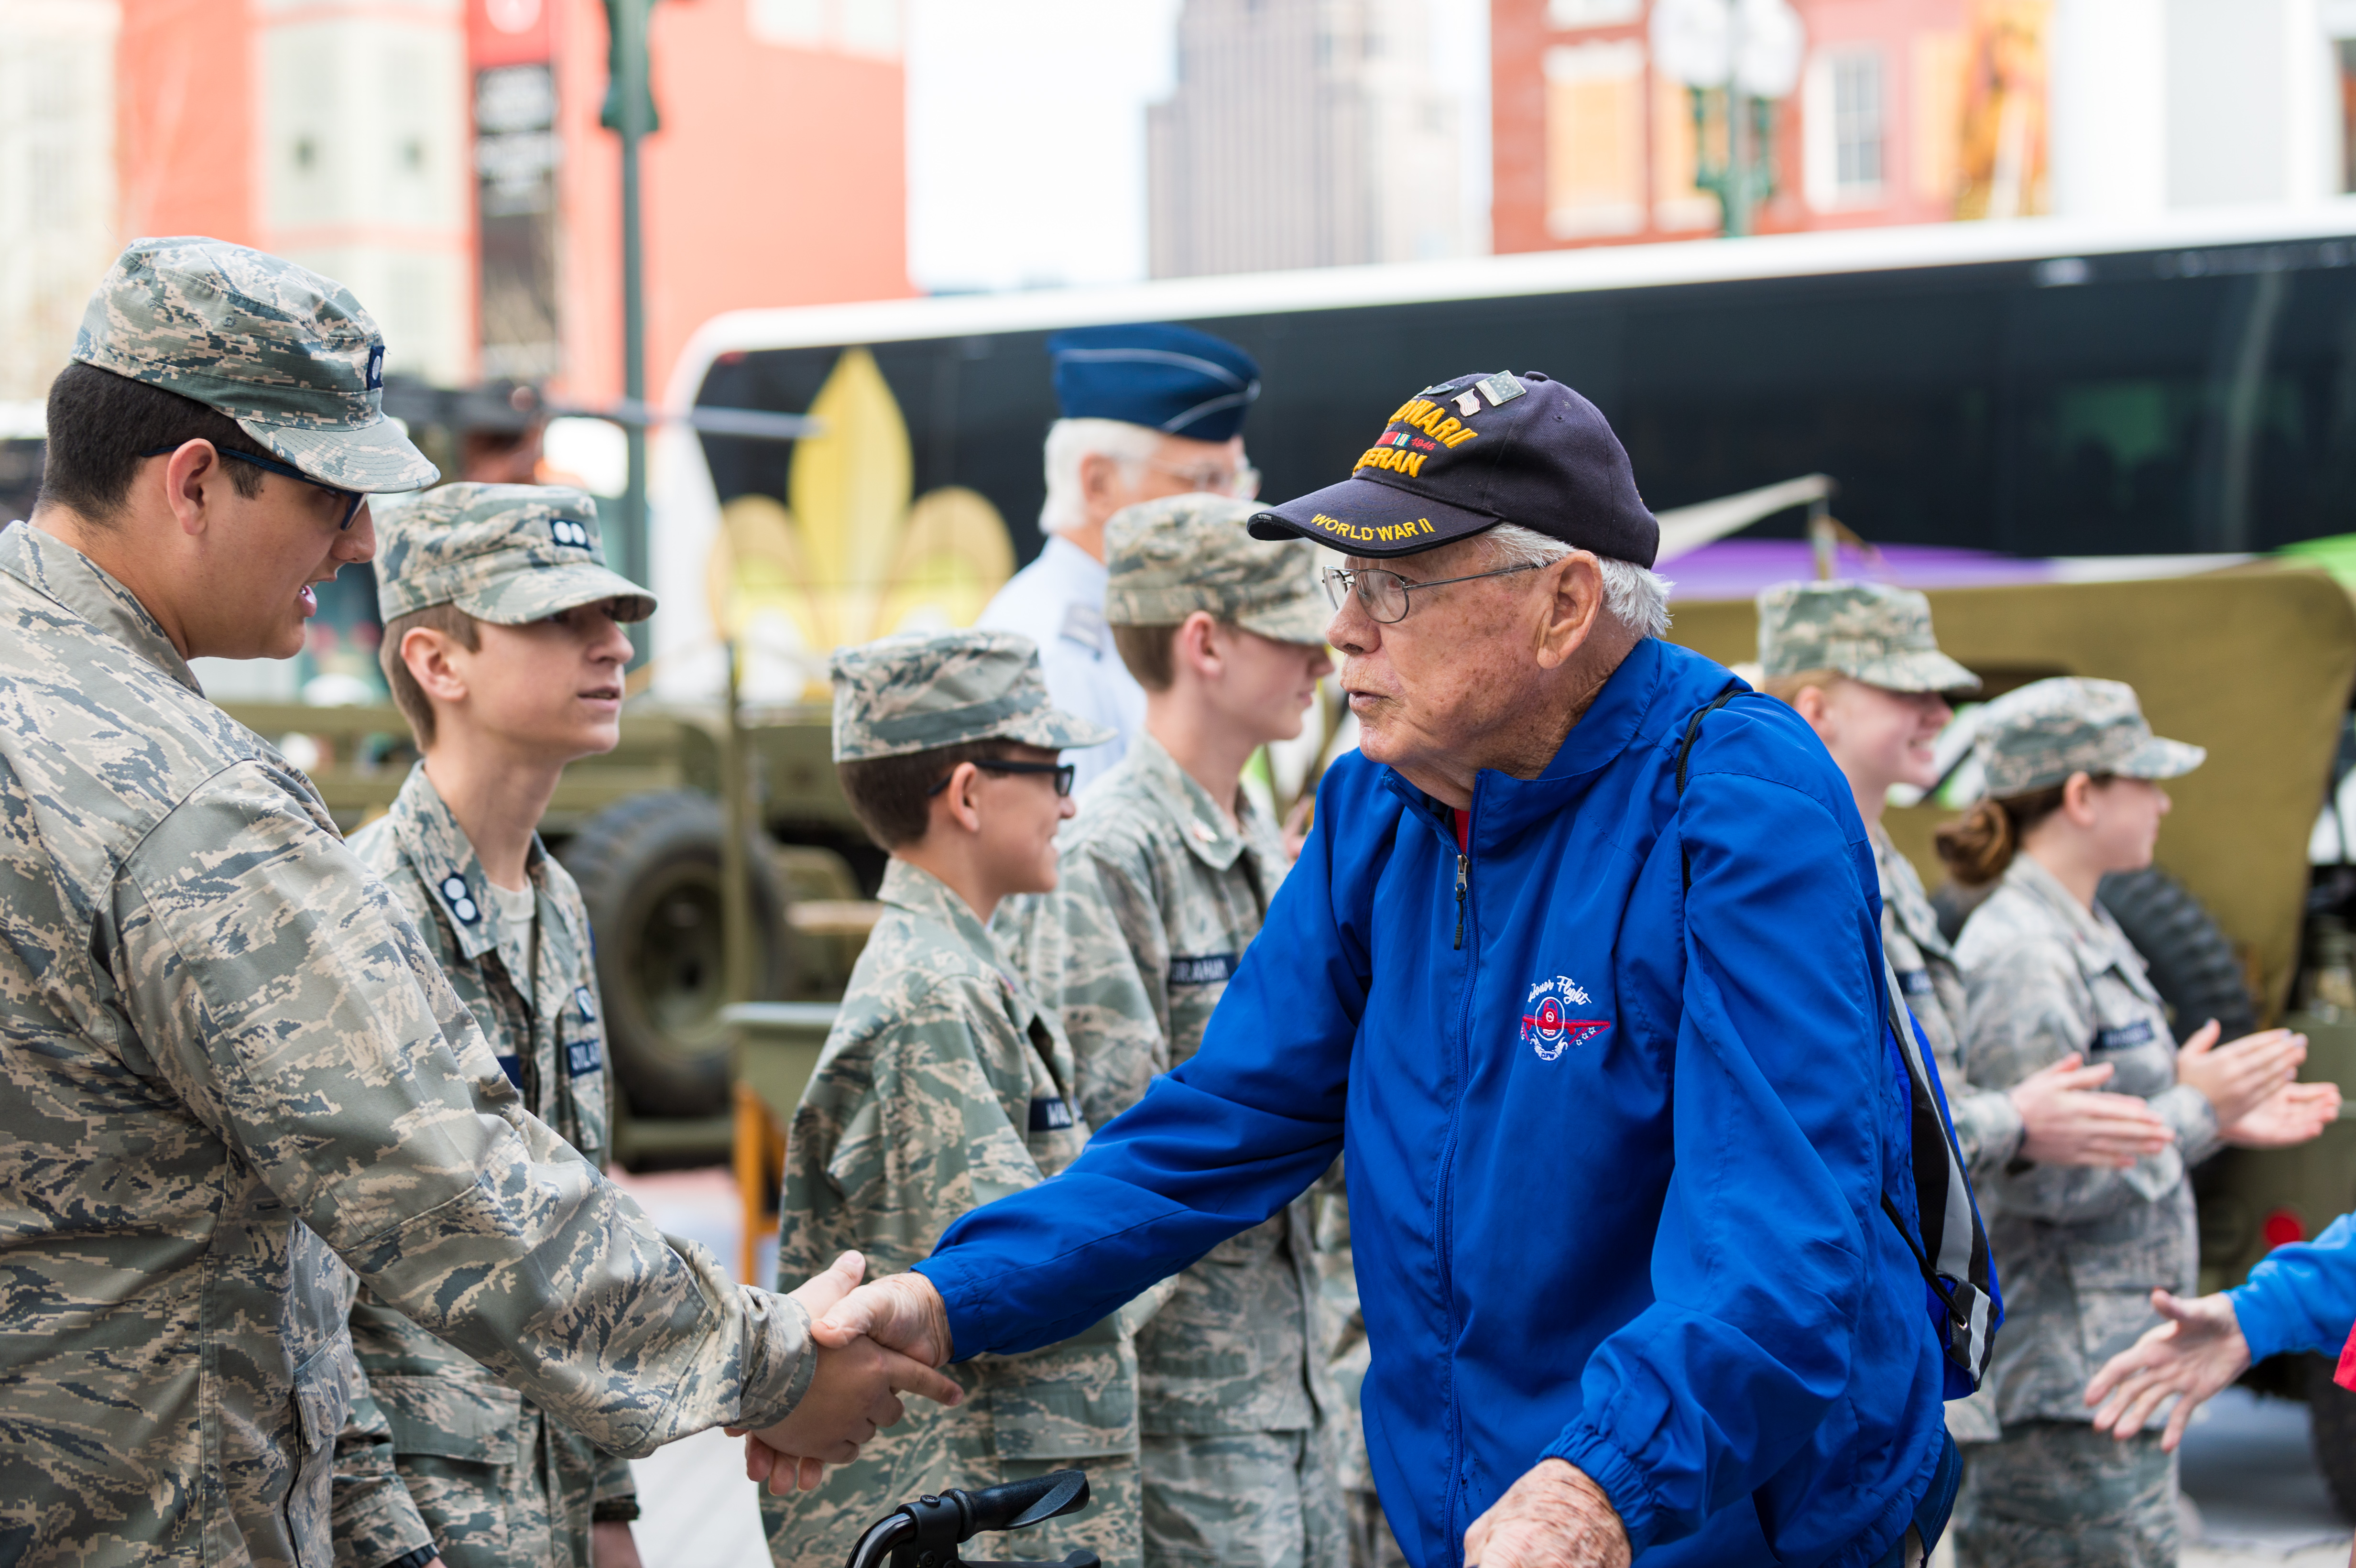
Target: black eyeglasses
x=1064, y=773
x=351, y=498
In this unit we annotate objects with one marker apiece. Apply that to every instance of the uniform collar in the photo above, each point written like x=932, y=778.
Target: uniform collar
x=2096, y=942
x=54, y=569
x=1074, y=565
x=1200, y=822
x=444, y=860
x=915, y=891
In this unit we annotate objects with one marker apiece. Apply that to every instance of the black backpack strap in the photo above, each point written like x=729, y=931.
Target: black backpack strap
x=1684, y=755
x=1953, y=1252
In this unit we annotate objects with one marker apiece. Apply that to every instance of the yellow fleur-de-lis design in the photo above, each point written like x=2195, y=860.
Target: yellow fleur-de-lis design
x=850, y=557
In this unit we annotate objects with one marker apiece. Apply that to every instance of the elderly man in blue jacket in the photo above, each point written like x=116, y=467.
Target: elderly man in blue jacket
x=1596, y=1018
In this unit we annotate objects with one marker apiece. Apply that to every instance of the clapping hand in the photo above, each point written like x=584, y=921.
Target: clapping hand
x=2240, y=1077
x=2292, y=1115
x=853, y=1393
x=2196, y=1352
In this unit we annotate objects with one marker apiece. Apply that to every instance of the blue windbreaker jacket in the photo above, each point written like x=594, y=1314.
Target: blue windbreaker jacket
x=1616, y=1150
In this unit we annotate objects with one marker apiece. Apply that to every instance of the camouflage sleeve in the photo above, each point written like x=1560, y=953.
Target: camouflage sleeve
x=2026, y=1008
x=371, y=1513
x=300, y=1016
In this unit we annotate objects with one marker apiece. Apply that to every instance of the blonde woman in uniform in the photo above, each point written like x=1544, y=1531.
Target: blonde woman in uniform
x=2071, y=777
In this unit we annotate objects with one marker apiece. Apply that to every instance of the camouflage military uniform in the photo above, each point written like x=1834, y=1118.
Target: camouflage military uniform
x=228, y=1056
x=493, y=1479
x=2080, y=1248
x=1160, y=896
x=943, y=1086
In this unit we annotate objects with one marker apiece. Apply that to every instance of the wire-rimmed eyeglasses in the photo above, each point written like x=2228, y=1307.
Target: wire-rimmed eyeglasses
x=1064, y=773
x=1383, y=594
x=350, y=498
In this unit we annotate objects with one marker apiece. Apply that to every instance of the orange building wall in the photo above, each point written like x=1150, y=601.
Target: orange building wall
x=186, y=104
x=1913, y=35
x=779, y=177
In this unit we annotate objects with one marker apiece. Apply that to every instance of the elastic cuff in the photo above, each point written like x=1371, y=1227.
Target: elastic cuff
x=968, y=1330
x=2263, y=1325
x=1631, y=1491
x=614, y=1510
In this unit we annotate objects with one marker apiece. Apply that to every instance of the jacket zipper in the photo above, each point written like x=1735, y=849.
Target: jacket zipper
x=1444, y=1222
x=1462, y=861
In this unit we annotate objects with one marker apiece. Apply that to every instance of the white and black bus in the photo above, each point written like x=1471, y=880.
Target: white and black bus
x=2038, y=388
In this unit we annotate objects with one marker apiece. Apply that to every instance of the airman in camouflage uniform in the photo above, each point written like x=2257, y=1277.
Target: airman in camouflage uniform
x=228, y=1055
x=1161, y=893
x=494, y=1480
x=943, y=1086
x=2082, y=1248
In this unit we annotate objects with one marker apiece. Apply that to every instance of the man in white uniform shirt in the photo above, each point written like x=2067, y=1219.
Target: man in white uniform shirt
x=1147, y=410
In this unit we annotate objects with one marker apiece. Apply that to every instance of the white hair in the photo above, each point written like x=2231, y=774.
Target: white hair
x=1635, y=596
x=1071, y=442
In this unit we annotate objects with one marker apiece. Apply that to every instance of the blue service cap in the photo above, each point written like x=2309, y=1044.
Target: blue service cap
x=1170, y=379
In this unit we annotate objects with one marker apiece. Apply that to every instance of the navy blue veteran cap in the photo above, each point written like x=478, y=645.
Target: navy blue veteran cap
x=1170, y=379
x=1472, y=452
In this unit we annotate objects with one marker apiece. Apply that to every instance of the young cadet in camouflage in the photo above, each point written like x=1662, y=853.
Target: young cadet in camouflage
x=228, y=1055
x=490, y=1477
x=1165, y=880
x=2048, y=973
x=943, y=1086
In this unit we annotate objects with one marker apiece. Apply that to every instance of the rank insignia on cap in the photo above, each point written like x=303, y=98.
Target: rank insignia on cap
x=567, y=532
x=462, y=902
x=1501, y=387
x=376, y=367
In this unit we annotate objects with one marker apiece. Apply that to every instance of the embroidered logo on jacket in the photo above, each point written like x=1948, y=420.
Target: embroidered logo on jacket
x=1548, y=1026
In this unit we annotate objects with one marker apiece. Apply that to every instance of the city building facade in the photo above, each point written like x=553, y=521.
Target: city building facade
x=1301, y=134
x=1925, y=111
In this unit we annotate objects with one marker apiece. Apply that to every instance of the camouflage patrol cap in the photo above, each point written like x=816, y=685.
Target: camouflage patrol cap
x=1868, y=631
x=920, y=691
x=2037, y=737
x=287, y=354
x=1170, y=558
x=503, y=553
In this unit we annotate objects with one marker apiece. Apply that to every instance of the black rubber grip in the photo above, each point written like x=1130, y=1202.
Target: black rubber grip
x=1018, y=1504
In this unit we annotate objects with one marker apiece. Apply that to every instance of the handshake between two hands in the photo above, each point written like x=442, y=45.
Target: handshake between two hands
x=873, y=1342
x=879, y=1341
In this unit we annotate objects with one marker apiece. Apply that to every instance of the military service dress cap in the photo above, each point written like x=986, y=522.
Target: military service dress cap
x=287, y=354
x=1167, y=559
x=1868, y=630
x=508, y=554
x=918, y=690
x=1170, y=379
x=1472, y=452
x=2037, y=737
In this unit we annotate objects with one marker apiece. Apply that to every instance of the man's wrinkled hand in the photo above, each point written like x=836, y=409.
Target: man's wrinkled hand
x=903, y=1311
x=2198, y=1351
x=1554, y=1517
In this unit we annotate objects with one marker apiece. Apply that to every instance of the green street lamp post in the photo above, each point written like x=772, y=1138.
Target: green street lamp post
x=629, y=109
x=1740, y=56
